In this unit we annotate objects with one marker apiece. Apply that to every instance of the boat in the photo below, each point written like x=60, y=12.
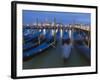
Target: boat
x=79, y=44
x=65, y=36
x=31, y=37
x=41, y=47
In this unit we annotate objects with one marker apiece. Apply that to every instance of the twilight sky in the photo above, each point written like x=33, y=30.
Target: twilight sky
x=30, y=16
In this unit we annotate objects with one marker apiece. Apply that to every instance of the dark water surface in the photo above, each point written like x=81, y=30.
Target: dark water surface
x=52, y=58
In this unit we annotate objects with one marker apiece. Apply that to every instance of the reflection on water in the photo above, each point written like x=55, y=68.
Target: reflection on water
x=39, y=30
x=70, y=33
x=56, y=30
x=44, y=31
x=52, y=32
x=61, y=33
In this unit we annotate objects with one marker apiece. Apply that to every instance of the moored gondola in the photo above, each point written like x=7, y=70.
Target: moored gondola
x=65, y=36
x=31, y=37
x=66, y=45
x=78, y=38
x=44, y=43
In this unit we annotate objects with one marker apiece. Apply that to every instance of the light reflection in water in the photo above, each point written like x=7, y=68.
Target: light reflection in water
x=44, y=31
x=56, y=30
x=61, y=33
x=70, y=33
x=52, y=32
x=66, y=30
x=39, y=30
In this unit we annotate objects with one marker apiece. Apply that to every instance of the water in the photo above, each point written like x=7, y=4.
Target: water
x=52, y=57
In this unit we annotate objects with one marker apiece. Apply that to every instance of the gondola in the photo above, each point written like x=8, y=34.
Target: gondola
x=65, y=36
x=34, y=43
x=41, y=47
x=76, y=37
x=79, y=44
x=31, y=37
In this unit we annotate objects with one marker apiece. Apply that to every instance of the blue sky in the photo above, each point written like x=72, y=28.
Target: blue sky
x=30, y=16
